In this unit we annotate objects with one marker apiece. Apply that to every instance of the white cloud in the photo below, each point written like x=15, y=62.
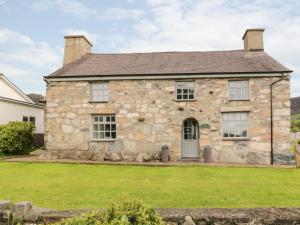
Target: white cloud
x=76, y=8
x=145, y=26
x=92, y=37
x=42, y=5
x=219, y=25
x=25, y=60
x=71, y=7
x=120, y=14
x=7, y=35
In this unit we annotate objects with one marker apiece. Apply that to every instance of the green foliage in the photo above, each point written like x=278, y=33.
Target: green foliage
x=92, y=218
x=298, y=142
x=16, y=137
x=129, y=212
x=295, y=123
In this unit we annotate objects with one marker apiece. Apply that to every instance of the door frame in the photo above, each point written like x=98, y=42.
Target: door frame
x=197, y=138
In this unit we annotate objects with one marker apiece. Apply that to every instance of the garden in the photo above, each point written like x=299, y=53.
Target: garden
x=78, y=186
x=16, y=138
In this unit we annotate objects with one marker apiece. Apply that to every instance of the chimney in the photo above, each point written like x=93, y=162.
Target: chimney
x=76, y=46
x=253, y=39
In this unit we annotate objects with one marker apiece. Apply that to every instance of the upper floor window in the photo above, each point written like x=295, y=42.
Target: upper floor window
x=104, y=127
x=29, y=119
x=185, y=90
x=235, y=124
x=238, y=89
x=99, y=92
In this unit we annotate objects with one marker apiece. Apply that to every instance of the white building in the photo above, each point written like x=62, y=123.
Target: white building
x=16, y=106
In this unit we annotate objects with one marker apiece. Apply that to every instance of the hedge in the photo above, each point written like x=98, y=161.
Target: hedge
x=16, y=137
x=128, y=212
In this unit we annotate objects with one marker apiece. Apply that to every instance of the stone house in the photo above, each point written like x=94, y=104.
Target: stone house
x=127, y=106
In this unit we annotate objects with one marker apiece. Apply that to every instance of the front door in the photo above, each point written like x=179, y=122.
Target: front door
x=189, y=140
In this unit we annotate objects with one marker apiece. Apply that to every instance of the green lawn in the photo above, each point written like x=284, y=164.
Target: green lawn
x=70, y=186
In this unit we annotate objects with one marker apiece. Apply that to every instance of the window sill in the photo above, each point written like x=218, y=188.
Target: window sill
x=235, y=139
x=103, y=140
x=185, y=100
x=98, y=101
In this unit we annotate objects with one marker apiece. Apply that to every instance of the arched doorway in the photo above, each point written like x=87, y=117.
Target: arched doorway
x=190, y=139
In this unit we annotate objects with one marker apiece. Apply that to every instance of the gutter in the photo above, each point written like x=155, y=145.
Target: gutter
x=284, y=77
x=161, y=76
x=21, y=102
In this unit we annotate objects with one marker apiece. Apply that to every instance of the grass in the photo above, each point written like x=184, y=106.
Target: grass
x=70, y=186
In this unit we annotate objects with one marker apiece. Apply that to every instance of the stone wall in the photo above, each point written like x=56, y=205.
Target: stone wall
x=148, y=116
x=26, y=213
x=281, y=121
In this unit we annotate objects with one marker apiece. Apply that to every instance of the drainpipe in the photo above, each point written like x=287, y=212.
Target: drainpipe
x=284, y=77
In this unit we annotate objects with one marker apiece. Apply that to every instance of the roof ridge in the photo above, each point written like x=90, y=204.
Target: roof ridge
x=133, y=53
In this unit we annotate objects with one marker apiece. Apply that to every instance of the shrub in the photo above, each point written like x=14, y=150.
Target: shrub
x=131, y=212
x=16, y=137
x=128, y=212
x=91, y=218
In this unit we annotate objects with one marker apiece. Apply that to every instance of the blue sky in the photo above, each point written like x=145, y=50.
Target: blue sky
x=31, y=31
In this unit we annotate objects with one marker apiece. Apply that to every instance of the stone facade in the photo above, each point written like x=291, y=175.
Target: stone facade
x=148, y=116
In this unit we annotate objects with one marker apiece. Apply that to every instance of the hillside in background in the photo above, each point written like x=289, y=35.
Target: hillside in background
x=295, y=111
x=295, y=105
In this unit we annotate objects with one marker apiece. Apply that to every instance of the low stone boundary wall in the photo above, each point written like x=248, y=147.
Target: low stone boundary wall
x=26, y=213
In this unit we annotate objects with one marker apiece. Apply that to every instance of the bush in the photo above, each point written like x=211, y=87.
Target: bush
x=91, y=218
x=16, y=137
x=126, y=213
x=295, y=125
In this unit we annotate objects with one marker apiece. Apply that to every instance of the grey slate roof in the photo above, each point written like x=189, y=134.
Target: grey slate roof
x=36, y=98
x=213, y=62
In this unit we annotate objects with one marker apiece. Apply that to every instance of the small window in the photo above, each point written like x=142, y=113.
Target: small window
x=238, y=90
x=104, y=127
x=29, y=119
x=185, y=91
x=235, y=125
x=99, y=92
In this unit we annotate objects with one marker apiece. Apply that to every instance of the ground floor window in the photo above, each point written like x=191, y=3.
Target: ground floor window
x=235, y=124
x=104, y=127
x=29, y=119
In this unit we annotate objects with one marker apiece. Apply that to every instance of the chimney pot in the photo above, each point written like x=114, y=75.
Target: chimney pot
x=253, y=39
x=76, y=46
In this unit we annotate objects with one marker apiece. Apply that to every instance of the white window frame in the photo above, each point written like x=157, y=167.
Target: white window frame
x=179, y=85
x=238, y=118
x=238, y=90
x=99, y=92
x=106, y=127
x=29, y=118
